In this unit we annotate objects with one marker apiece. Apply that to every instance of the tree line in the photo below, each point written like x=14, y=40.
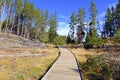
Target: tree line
x=92, y=38
x=112, y=24
x=23, y=19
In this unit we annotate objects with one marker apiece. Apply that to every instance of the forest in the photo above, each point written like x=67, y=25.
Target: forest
x=20, y=17
x=95, y=35
x=23, y=19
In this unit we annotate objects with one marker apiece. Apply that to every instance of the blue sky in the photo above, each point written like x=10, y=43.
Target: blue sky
x=64, y=9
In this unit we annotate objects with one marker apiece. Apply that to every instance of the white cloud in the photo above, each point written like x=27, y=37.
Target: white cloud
x=63, y=28
x=64, y=17
x=62, y=23
x=101, y=22
x=102, y=15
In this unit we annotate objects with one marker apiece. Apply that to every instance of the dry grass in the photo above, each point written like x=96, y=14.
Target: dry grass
x=25, y=50
x=26, y=68
x=81, y=53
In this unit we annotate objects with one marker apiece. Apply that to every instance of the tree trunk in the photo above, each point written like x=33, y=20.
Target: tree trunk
x=24, y=35
x=6, y=28
x=22, y=26
x=12, y=27
x=18, y=27
x=22, y=30
x=28, y=33
x=1, y=15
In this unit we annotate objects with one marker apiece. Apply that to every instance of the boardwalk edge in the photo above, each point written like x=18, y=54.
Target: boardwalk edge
x=79, y=68
x=51, y=67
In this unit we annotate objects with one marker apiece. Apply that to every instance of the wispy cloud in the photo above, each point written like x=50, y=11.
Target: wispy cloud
x=102, y=18
x=102, y=15
x=63, y=24
x=101, y=22
x=64, y=17
x=63, y=28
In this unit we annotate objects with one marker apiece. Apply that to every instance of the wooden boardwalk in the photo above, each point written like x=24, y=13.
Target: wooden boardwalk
x=65, y=68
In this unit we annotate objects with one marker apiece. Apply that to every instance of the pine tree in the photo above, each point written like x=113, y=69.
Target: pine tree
x=92, y=39
x=69, y=40
x=23, y=19
x=19, y=8
x=117, y=14
x=108, y=25
x=81, y=19
x=46, y=19
x=29, y=15
x=37, y=21
x=53, y=27
x=46, y=24
x=9, y=5
x=42, y=27
x=93, y=13
x=112, y=21
x=73, y=22
x=117, y=37
x=92, y=36
x=12, y=16
x=80, y=34
x=2, y=10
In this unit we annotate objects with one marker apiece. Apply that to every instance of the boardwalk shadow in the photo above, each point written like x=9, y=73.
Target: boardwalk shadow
x=80, y=73
x=76, y=70
x=61, y=46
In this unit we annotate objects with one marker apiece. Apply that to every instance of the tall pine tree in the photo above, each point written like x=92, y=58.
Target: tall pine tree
x=53, y=27
x=81, y=20
x=73, y=22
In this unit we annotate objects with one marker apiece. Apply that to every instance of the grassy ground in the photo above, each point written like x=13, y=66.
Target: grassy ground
x=81, y=53
x=97, y=66
x=26, y=68
x=25, y=50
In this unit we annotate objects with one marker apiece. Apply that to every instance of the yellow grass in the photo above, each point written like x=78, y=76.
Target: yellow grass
x=27, y=68
x=81, y=53
x=25, y=50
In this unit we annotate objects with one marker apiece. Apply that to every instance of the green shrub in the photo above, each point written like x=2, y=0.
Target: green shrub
x=97, y=68
x=93, y=40
x=59, y=41
x=94, y=76
x=107, y=71
x=117, y=37
x=116, y=75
